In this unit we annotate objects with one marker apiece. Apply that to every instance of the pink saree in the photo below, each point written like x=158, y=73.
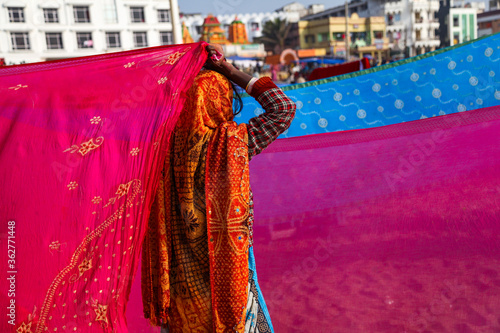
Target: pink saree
x=82, y=143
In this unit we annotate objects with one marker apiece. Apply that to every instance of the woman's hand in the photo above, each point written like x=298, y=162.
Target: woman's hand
x=215, y=54
x=217, y=62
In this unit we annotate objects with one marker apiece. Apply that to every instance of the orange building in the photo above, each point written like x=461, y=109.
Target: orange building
x=238, y=32
x=212, y=31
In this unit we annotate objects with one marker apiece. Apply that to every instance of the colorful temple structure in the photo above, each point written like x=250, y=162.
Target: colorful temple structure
x=238, y=32
x=233, y=37
x=212, y=31
x=186, y=36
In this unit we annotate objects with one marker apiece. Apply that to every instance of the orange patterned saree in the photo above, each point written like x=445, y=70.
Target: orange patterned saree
x=195, y=254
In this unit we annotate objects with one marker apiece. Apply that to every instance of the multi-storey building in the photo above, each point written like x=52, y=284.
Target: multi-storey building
x=411, y=25
x=488, y=22
x=367, y=35
x=458, y=22
x=39, y=30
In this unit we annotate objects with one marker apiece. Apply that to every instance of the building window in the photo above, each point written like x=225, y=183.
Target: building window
x=389, y=19
x=378, y=34
x=358, y=35
x=166, y=37
x=456, y=22
x=50, y=15
x=84, y=40
x=16, y=14
x=113, y=40
x=140, y=39
x=418, y=18
x=198, y=29
x=20, y=40
x=163, y=15
x=310, y=39
x=456, y=38
x=137, y=15
x=323, y=37
x=54, y=40
x=81, y=14
x=338, y=36
x=254, y=26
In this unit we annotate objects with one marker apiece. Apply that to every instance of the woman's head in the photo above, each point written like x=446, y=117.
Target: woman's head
x=209, y=102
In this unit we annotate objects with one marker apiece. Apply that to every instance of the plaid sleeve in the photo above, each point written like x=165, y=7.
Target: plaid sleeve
x=265, y=128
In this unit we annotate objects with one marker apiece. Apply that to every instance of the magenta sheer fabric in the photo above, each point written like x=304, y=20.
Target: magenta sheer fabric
x=81, y=146
x=390, y=229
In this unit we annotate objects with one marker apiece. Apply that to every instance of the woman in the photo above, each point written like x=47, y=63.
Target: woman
x=198, y=271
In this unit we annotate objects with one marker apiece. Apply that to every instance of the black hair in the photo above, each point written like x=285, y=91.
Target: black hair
x=238, y=102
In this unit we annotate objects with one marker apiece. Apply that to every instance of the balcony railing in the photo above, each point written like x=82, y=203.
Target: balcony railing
x=421, y=39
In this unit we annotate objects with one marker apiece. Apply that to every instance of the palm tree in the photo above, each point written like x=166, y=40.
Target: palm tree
x=275, y=33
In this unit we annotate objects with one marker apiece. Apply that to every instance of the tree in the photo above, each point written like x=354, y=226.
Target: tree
x=274, y=34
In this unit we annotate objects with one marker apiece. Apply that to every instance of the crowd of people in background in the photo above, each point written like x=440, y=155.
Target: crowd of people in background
x=292, y=73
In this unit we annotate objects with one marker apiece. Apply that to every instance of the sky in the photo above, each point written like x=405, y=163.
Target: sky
x=219, y=7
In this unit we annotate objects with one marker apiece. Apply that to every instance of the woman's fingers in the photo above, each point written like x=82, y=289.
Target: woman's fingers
x=215, y=54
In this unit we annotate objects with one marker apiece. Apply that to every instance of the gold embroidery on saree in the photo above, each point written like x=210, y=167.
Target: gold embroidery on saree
x=19, y=86
x=172, y=58
x=25, y=327
x=135, y=151
x=95, y=120
x=56, y=246
x=101, y=313
x=85, y=147
x=134, y=187
x=162, y=80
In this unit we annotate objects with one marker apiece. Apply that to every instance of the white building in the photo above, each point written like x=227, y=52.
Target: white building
x=458, y=22
x=412, y=25
x=462, y=23
x=297, y=7
x=39, y=30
